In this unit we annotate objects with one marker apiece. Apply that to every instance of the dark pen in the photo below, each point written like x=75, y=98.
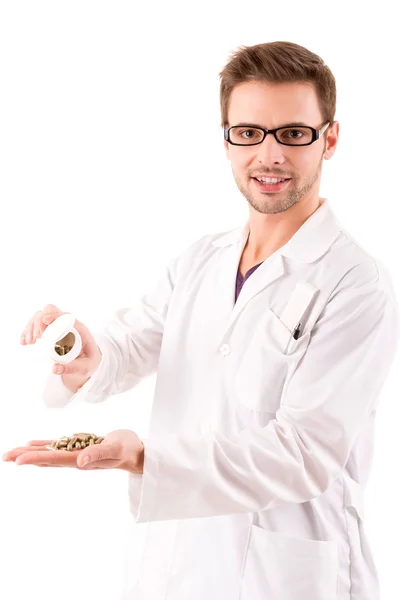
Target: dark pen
x=296, y=332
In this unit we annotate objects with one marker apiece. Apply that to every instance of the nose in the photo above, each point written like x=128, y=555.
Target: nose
x=270, y=151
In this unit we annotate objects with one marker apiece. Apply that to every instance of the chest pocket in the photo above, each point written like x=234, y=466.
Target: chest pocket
x=274, y=352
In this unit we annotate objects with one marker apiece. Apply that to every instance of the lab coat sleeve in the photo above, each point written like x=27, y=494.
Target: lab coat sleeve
x=130, y=345
x=297, y=455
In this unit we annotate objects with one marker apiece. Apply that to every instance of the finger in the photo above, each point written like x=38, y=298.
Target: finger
x=49, y=318
x=15, y=452
x=39, y=326
x=57, y=458
x=39, y=442
x=51, y=308
x=26, y=336
x=50, y=313
x=35, y=327
x=42, y=321
x=59, y=465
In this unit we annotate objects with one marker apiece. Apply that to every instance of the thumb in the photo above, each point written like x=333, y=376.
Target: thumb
x=79, y=366
x=95, y=453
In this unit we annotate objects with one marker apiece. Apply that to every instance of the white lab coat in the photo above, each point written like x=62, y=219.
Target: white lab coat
x=260, y=444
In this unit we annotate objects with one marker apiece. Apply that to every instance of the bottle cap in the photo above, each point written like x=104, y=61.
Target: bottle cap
x=58, y=330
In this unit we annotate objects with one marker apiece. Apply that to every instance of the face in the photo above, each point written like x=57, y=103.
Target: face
x=270, y=106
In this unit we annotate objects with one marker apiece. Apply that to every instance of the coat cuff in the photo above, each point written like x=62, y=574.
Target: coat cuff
x=142, y=489
x=55, y=393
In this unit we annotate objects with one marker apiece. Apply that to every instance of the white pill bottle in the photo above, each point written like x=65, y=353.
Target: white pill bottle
x=60, y=333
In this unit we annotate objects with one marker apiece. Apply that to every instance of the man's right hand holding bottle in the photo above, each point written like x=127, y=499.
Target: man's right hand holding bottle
x=76, y=373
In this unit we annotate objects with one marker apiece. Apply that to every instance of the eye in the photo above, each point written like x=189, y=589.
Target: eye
x=294, y=134
x=249, y=134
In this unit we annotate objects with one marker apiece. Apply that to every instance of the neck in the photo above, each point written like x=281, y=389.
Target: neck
x=268, y=233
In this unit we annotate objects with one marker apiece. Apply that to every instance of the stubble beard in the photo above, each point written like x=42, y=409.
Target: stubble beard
x=267, y=203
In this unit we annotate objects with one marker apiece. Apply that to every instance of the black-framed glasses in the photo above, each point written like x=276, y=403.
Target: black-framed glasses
x=290, y=135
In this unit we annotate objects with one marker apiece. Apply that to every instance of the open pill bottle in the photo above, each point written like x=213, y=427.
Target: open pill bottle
x=62, y=339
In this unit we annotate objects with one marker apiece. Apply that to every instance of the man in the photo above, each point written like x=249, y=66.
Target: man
x=271, y=344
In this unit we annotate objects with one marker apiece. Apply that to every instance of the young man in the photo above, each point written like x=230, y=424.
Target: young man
x=271, y=345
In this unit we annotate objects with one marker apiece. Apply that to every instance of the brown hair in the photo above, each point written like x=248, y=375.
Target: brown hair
x=278, y=62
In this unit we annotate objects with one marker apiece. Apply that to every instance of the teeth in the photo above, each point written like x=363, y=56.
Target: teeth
x=269, y=179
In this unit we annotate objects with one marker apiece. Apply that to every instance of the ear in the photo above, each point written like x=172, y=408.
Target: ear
x=227, y=150
x=331, y=140
x=226, y=144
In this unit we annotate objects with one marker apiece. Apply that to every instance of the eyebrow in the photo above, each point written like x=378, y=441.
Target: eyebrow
x=298, y=124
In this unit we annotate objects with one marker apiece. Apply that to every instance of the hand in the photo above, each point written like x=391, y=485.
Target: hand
x=120, y=449
x=78, y=371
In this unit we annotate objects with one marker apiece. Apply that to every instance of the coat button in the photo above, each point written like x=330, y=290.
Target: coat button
x=225, y=349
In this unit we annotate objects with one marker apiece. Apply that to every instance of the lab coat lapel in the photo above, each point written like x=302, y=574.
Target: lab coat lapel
x=308, y=244
x=268, y=272
x=265, y=275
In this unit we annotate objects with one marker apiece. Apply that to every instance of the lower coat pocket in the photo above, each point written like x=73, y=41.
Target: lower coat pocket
x=281, y=567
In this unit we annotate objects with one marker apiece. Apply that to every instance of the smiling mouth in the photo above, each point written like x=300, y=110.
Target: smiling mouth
x=273, y=177
x=271, y=187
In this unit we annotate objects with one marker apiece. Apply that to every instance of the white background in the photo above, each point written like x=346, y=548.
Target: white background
x=111, y=163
